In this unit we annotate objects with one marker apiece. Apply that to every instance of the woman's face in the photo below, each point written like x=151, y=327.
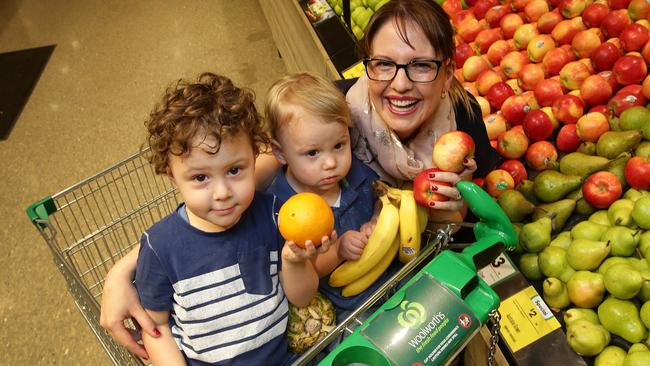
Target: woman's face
x=404, y=105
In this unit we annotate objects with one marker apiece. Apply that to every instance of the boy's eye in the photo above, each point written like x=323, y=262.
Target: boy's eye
x=312, y=152
x=338, y=146
x=200, y=178
x=234, y=171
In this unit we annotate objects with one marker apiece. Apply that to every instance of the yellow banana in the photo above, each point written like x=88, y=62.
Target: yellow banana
x=409, y=230
x=423, y=218
x=378, y=244
x=362, y=283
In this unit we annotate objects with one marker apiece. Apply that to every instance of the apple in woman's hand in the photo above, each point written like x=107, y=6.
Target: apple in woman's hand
x=422, y=188
x=451, y=150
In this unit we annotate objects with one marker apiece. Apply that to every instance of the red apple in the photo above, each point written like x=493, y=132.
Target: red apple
x=463, y=52
x=611, y=79
x=494, y=14
x=591, y=126
x=539, y=46
x=535, y=9
x=516, y=169
x=512, y=63
x=452, y=7
x=484, y=104
x=572, y=8
x=548, y=21
x=594, y=14
x=629, y=96
x=567, y=139
x=637, y=173
x=537, y=126
x=541, y=155
x=423, y=188
x=524, y=34
x=645, y=87
x=573, y=74
x=645, y=52
x=614, y=23
x=497, y=181
x=495, y=124
x=498, y=50
x=638, y=9
x=515, y=108
x=509, y=24
x=619, y=4
x=565, y=30
x=585, y=42
x=458, y=17
x=595, y=90
x=468, y=29
x=486, y=38
x=498, y=93
x=473, y=67
x=568, y=108
x=605, y=55
x=530, y=75
x=630, y=69
x=633, y=37
x=482, y=6
x=451, y=149
x=485, y=81
x=547, y=91
x=512, y=144
x=601, y=189
x=601, y=108
x=554, y=60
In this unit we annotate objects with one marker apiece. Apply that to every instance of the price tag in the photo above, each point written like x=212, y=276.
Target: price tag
x=498, y=271
x=354, y=71
x=525, y=318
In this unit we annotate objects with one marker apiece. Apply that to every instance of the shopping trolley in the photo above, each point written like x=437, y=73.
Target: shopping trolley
x=92, y=224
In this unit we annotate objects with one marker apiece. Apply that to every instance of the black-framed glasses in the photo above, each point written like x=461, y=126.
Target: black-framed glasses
x=418, y=71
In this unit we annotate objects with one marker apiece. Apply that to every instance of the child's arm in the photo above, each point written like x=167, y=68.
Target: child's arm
x=163, y=350
x=120, y=301
x=266, y=165
x=348, y=247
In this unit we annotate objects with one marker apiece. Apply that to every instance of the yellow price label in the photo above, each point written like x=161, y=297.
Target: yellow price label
x=354, y=71
x=525, y=318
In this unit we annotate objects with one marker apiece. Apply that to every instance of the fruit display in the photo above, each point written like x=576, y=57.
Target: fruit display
x=360, y=13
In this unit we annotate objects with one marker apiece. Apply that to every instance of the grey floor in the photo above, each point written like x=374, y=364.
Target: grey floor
x=112, y=62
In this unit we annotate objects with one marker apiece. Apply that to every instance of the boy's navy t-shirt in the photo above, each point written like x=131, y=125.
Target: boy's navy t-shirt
x=222, y=289
x=355, y=209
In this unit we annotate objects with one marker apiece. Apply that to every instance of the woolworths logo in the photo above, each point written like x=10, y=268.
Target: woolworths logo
x=412, y=316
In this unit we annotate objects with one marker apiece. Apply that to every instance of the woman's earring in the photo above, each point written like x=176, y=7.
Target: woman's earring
x=443, y=95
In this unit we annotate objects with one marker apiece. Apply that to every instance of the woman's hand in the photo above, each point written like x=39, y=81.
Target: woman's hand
x=455, y=201
x=293, y=253
x=351, y=245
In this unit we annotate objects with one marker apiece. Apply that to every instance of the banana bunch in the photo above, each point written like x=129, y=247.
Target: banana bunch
x=398, y=230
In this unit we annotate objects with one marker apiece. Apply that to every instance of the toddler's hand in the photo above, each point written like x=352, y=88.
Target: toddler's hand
x=367, y=228
x=351, y=244
x=296, y=254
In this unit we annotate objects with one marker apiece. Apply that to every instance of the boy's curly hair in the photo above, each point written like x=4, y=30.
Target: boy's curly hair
x=210, y=106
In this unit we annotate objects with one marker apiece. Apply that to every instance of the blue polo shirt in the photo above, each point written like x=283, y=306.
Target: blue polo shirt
x=355, y=209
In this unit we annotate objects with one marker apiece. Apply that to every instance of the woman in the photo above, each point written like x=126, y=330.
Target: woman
x=406, y=100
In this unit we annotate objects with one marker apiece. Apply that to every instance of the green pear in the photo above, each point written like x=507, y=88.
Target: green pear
x=588, y=230
x=551, y=185
x=553, y=263
x=610, y=356
x=582, y=206
x=636, y=119
x=515, y=205
x=559, y=212
x=643, y=150
x=577, y=163
x=529, y=266
x=562, y=240
x=586, y=254
x=637, y=347
x=517, y=227
x=638, y=358
x=644, y=243
x=621, y=317
x=536, y=235
x=637, y=263
x=623, y=281
x=612, y=143
x=587, y=339
x=614, y=124
x=610, y=262
x=644, y=313
x=600, y=217
x=587, y=147
x=526, y=188
x=573, y=314
x=617, y=167
x=555, y=293
x=641, y=212
x=620, y=212
x=644, y=293
x=586, y=289
x=634, y=194
x=623, y=239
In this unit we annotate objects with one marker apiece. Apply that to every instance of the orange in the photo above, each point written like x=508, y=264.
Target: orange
x=305, y=216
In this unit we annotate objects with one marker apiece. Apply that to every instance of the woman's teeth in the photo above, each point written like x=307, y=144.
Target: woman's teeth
x=402, y=105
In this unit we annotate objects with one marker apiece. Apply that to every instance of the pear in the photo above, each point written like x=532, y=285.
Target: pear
x=610, y=262
x=644, y=313
x=600, y=217
x=637, y=347
x=536, y=235
x=614, y=124
x=515, y=205
x=620, y=212
x=611, y=143
x=562, y=240
x=623, y=281
x=634, y=118
x=586, y=254
x=529, y=266
x=588, y=230
x=638, y=263
x=577, y=163
x=644, y=243
x=559, y=212
x=621, y=317
x=582, y=206
x=586, y=289
x=641, y=212
x=643, y=150
x=617, y=167
x=573, y=314
x=587, y=147
x=610, y=356
x=587, y=339
x=517, y=227
x=551, y=185
x=638, y=358
x=644, y=293
x=553, y=263
x=623, y=239
x=526, y=188
x=634, y=194
x=555, y=293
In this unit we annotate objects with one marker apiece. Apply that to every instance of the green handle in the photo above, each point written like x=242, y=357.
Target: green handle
x=41, y=210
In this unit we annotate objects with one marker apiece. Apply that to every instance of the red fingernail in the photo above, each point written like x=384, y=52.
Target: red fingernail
x=432, y=203
x=434, y=187
x=465, y=161
x=156, y=332
x=431, y=175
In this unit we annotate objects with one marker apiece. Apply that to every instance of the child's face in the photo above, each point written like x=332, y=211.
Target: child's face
x=217, y=188
x=317, y=153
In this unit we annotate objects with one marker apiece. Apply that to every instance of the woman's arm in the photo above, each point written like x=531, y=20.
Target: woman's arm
x=163, y=350
x=120, y=301
x=266, y=165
